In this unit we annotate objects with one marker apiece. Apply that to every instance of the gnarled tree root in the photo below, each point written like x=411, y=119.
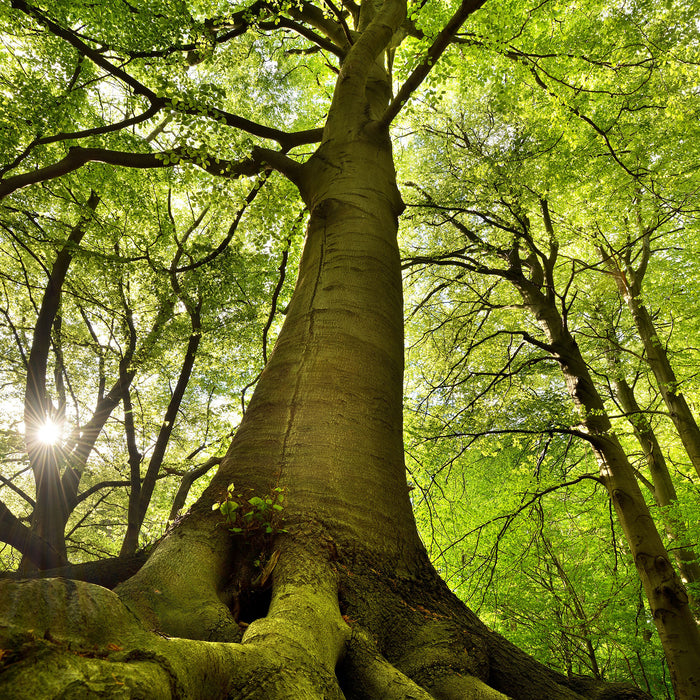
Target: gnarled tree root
x=370, y=637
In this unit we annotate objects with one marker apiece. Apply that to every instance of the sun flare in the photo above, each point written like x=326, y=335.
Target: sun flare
x=49, y=432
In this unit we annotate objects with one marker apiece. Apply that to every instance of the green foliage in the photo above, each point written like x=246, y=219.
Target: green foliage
x=255, y=515
x=590, y=106
x=542, y=562
x=546, y=105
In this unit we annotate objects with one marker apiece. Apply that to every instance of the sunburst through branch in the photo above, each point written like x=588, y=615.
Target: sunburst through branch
x=49, y=432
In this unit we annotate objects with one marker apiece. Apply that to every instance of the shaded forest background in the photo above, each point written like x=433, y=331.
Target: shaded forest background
x=549, y=143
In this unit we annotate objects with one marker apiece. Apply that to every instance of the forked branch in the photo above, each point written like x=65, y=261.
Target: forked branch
x=420, y=72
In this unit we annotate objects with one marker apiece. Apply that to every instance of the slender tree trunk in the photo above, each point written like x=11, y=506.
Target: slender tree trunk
x=663, y=488
x=51, y=510
x=667, y=597
x=660, y=365
x=577, y=608
x=140, y=496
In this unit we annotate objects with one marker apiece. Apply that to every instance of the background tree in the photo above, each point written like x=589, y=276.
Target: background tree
x=100, y=337
x=499, y=164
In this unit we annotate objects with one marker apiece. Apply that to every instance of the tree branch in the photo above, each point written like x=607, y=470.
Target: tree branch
x=187, y=480
x=442, y=41
x=79, y=156
x=103, y=572
x=8, y=482
x=33, y=547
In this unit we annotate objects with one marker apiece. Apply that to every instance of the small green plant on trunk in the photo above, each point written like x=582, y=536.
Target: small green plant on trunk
x=252, y=516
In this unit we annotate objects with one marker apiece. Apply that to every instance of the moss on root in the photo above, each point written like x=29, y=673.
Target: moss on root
x=332, y=630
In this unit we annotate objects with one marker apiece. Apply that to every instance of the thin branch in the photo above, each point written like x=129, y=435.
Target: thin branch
x=313, y=37
x=511, y=516
x=187, y=480
x=107, y=485
x=231, y=231
x=95, y=56
x=7, y=482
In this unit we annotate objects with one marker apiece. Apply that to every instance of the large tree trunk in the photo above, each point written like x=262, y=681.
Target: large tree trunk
x=352, y=607
x=339, y=600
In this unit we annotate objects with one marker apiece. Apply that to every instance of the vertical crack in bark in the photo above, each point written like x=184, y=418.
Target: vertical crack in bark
x=306, y=352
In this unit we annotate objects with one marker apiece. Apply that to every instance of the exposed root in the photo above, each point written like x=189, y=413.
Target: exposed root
x=60, y=636
x=80, y=641
x=178, y=590
x=303, y=625
x=366, y=675
x=400, y=639
x=422, y=631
